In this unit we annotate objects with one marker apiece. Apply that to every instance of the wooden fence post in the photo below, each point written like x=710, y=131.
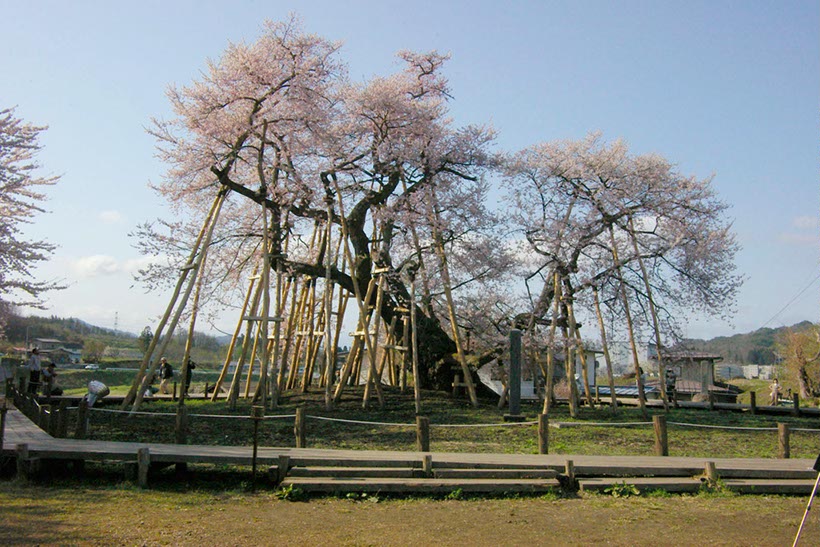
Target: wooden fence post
x=569, y=471
x=44, y=418
x=22, y=461
x=181, y=426
x=299, y=428
x=427, y=465
x=62, y=424
x=422, y=433
x=543, y=433
x=82, y=420
x=3, y=410
x=661, y=443
x=796, y=400
x=143, y=466
x=783, y=441
x=711, y=473
x=753, y=402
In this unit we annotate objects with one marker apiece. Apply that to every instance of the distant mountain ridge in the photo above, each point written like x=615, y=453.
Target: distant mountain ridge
x=753, y=348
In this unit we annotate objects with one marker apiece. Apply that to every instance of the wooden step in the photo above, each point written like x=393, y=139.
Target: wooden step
x=779, y=474
x=355, y=472
x=644, y=484
x=356, y=461
x=769, y=486
x=433, y=486
x=463, y=473
x=637, y=471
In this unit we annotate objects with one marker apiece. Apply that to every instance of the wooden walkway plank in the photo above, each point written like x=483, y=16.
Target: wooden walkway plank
x=446, y=472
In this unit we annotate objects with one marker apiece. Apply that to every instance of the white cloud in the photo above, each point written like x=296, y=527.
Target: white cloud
x=806, y=222
x=804, y=231
x=110, y=217
x=105, y=265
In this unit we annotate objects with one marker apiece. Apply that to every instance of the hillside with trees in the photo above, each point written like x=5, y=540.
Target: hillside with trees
x=753, y=348
x=101, y=343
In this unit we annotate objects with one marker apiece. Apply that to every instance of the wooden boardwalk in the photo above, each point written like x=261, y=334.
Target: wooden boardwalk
x=326, y=470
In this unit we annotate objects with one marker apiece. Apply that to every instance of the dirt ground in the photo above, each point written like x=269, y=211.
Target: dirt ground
x=39, y=515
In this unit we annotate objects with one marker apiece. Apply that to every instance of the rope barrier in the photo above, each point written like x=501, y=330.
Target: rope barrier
x=506, y=424
x=705, y=426
x=358, y=421
x=597, y=424
x=227, y=416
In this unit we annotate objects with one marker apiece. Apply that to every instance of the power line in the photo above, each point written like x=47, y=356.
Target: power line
x=790, y=302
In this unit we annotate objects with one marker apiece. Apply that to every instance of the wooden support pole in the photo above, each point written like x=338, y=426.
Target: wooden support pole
x=299, y=428
x=422, y=433
x=661, y=440
x=82, y=420
x=143, y=466
x=796, y=401
x=711, y=473
x=549, y=380
x=24, y=467
x=569, y=472
x=62, y=425
x=282, y=467
x=543, y=433
x=753, y=402
x=427, y=465
x=783, y=449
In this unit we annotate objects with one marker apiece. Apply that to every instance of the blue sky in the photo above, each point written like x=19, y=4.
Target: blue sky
x=728, y=88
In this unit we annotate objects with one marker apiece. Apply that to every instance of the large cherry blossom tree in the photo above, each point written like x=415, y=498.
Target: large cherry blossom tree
x=21, y=200
x=278, y=123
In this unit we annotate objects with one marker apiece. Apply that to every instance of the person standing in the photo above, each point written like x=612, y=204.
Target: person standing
x=166, y=372
x=50, y=380
x=189, y=373
x=775, y=393
x=34, y=371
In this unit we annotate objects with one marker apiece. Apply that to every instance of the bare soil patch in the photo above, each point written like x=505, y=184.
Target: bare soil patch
x=34, y=514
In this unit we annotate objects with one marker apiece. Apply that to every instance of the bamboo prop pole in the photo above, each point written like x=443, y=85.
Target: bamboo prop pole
x=363, y=313
x=347, y=368
x=316, y=338
x=605, y=348
x=309, y=333
x=372, y=369
x=139, y=377
x=427, y=299
x=579, y=345
x=297, y=343
x=195, y=267
x=388, y=351
x=330, y=351
x=186, y=357
x=264, y=327
x=254, y=277
x=285, y=368
x=451, y=309
x=654, y=314
x=233, y=391
x=548, y=388
x=569, y=366
x=277, y=331
x=629, y=326
x=257, y=336
x=341, y=307
x=353, y=364
x=406, y=356
x=415, y=345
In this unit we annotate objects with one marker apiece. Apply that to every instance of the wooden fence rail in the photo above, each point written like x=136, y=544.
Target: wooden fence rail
x=54, y=420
